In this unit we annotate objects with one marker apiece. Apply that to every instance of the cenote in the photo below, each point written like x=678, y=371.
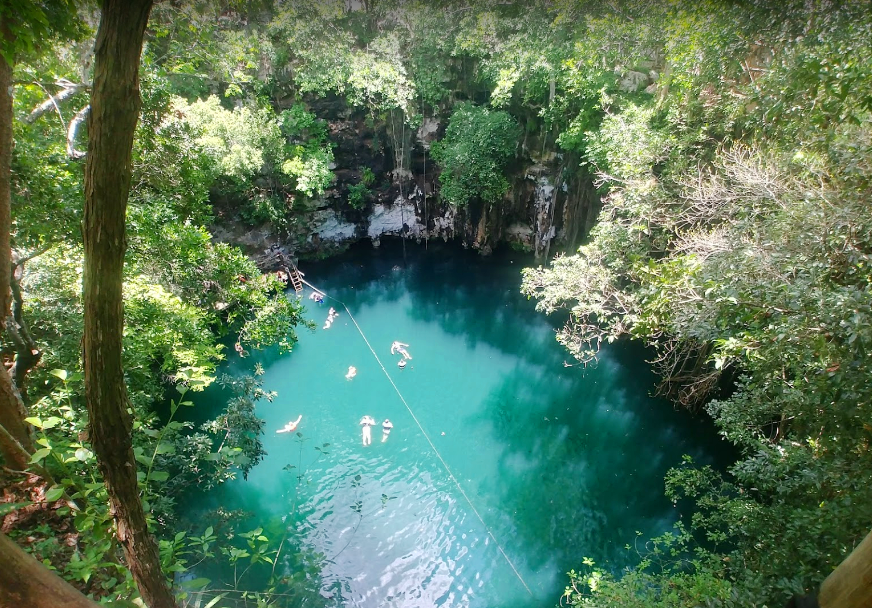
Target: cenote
x=560, y=461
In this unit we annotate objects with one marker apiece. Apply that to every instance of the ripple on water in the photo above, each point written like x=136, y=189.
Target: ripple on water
x=395, y=536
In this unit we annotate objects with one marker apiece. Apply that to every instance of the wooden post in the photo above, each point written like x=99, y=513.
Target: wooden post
x=26, y=582
x=850, y=584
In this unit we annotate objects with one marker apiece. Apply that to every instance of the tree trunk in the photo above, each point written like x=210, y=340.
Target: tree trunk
x=850, y=584
x=12, y=419
x=12, y=411
x=5, y=176
x=27, y=353
x=26, y=582
x=115, y=103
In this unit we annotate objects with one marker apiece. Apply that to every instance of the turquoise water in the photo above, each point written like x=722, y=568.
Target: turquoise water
x=560, y=462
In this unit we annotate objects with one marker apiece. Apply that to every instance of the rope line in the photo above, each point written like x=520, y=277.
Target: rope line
x=427, y=437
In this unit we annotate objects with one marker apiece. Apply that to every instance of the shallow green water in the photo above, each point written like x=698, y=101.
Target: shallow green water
x=560, y=462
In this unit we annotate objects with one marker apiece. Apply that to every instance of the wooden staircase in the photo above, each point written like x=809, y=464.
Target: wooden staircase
x=296, y=279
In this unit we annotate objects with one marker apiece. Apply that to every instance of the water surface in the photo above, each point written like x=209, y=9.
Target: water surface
x=560, y=462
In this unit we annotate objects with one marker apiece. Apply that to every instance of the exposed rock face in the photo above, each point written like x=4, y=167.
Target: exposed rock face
x=520, y=235
x=331, y=228
x=543, y=212
x=633, y=81
x=396, y=219
x=427, y=132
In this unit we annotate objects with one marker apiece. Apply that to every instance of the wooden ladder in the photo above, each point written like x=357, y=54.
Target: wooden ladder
x=295, y=279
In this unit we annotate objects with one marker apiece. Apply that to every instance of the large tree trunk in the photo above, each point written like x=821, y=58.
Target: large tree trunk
x=11, y=409
x=5, y=176
x=850, y=584
x=26, y=582
x=115, y=103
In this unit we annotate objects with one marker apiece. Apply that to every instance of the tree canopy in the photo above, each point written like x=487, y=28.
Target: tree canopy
x=725, y=146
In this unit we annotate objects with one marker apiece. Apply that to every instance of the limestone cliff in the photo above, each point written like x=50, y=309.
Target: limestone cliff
x=549, y=208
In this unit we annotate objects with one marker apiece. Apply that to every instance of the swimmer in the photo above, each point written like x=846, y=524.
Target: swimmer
x=387, y=425
x=401, y=364
x=331, y=316
x=399, y=347
x=352, y=372
x=291, y=426
x=367, y=422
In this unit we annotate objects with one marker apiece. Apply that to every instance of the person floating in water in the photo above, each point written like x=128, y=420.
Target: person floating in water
x=399, y=347
x=331, y=316
x=352, y=372
x=401, y=364
x=387, y=425
x=367, y=422
x=291, y=426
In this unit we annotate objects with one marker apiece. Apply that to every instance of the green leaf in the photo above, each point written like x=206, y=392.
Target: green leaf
x=34, y=420
x=215, y=600
x=51, y=422
x=9, y=507
x=197, y=583
x=39, y=455
x=59, y=373
x=165, y=447
x=160, y=475
x=83, y=454
x=54, y=493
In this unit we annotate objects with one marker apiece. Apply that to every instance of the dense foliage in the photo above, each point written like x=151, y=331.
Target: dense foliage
x=477, y=144
x=730, y=144
x=735, y=239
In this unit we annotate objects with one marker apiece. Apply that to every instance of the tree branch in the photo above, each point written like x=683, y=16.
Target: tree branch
x=77, y=120
x=69, y=89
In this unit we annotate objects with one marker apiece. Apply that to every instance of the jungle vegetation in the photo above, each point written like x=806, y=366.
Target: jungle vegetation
x=730, y=143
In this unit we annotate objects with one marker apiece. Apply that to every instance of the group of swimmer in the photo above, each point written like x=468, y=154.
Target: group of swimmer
x=367, y=422
x=331, y=316
x=399, y=347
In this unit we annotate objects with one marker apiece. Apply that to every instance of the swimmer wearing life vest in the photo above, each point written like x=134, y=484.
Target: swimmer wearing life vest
x=291, y=426
x=352, y=372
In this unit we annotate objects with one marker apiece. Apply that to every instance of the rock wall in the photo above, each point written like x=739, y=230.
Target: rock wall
x=544, y=212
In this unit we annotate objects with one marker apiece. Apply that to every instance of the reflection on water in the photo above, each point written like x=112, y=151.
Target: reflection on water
x=561, y=462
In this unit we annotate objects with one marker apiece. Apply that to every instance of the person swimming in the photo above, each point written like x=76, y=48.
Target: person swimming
x=331, y=316
x=352, y=372
x=399, y=347
x=401, y=364
x=387, y=425
x=291, y=426
x=367, y=422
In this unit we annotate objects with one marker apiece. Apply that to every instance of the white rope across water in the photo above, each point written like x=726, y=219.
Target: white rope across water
x=427, y=437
